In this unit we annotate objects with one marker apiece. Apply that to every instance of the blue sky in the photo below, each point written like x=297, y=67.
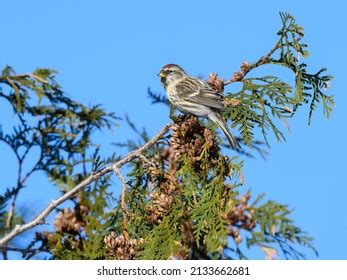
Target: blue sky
x=109, y=52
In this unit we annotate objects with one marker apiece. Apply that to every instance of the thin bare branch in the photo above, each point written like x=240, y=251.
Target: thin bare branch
x=20, y=185
x=40, y=218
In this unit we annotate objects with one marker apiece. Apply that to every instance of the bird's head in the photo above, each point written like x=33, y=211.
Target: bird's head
x=171, y=73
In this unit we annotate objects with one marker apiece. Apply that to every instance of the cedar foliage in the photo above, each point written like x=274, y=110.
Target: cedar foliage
x=181, y=197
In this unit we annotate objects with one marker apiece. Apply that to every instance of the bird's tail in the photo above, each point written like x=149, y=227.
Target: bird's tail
x=217, y=119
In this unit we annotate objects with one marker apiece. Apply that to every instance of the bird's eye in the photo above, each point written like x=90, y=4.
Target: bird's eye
x=170, y=71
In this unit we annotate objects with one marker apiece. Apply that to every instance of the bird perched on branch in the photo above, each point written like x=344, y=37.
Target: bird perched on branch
x=194, y=96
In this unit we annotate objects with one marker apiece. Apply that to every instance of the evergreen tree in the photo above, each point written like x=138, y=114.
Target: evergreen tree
x=180, y=198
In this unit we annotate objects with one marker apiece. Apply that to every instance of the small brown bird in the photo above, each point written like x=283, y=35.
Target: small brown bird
x=194, y=96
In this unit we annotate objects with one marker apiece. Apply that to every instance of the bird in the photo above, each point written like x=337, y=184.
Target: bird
x=194, y=96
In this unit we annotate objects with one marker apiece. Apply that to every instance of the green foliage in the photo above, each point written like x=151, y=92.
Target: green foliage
x=196, y=223
x=59, y=126
x=87, y=244
x=276, y=228
x=263, y=100
x=309, y=87
x=207, y=212
x=164, y=240
x=61, y=130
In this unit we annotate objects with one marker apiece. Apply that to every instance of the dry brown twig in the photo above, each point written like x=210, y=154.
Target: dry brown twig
x=245, y=67
x=122, y=201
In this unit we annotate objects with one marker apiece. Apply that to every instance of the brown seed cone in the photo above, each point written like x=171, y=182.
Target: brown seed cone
x=189, y=138
x=165, y=184
x=68, y=222
x=120, y=248
x=245, y=66
x=215, y=82
x=161, y=202
x=240, y=216
x=238, y=76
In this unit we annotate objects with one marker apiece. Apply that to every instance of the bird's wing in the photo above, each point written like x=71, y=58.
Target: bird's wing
x=197, y=91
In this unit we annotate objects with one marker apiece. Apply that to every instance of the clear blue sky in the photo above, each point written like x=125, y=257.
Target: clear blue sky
x=109, y=52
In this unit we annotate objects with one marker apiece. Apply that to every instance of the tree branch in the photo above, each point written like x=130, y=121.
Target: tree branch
x=40, y=218
x=20, y=185
x=122, y=201
x=246, y=67
x=33, y=76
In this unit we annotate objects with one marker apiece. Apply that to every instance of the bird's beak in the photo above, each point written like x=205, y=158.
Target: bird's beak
x=162, y=75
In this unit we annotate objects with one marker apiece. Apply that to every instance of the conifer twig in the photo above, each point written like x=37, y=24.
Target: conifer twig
x=40, y=218
x=246, y=67
x=33, y=76
x=122, y=201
